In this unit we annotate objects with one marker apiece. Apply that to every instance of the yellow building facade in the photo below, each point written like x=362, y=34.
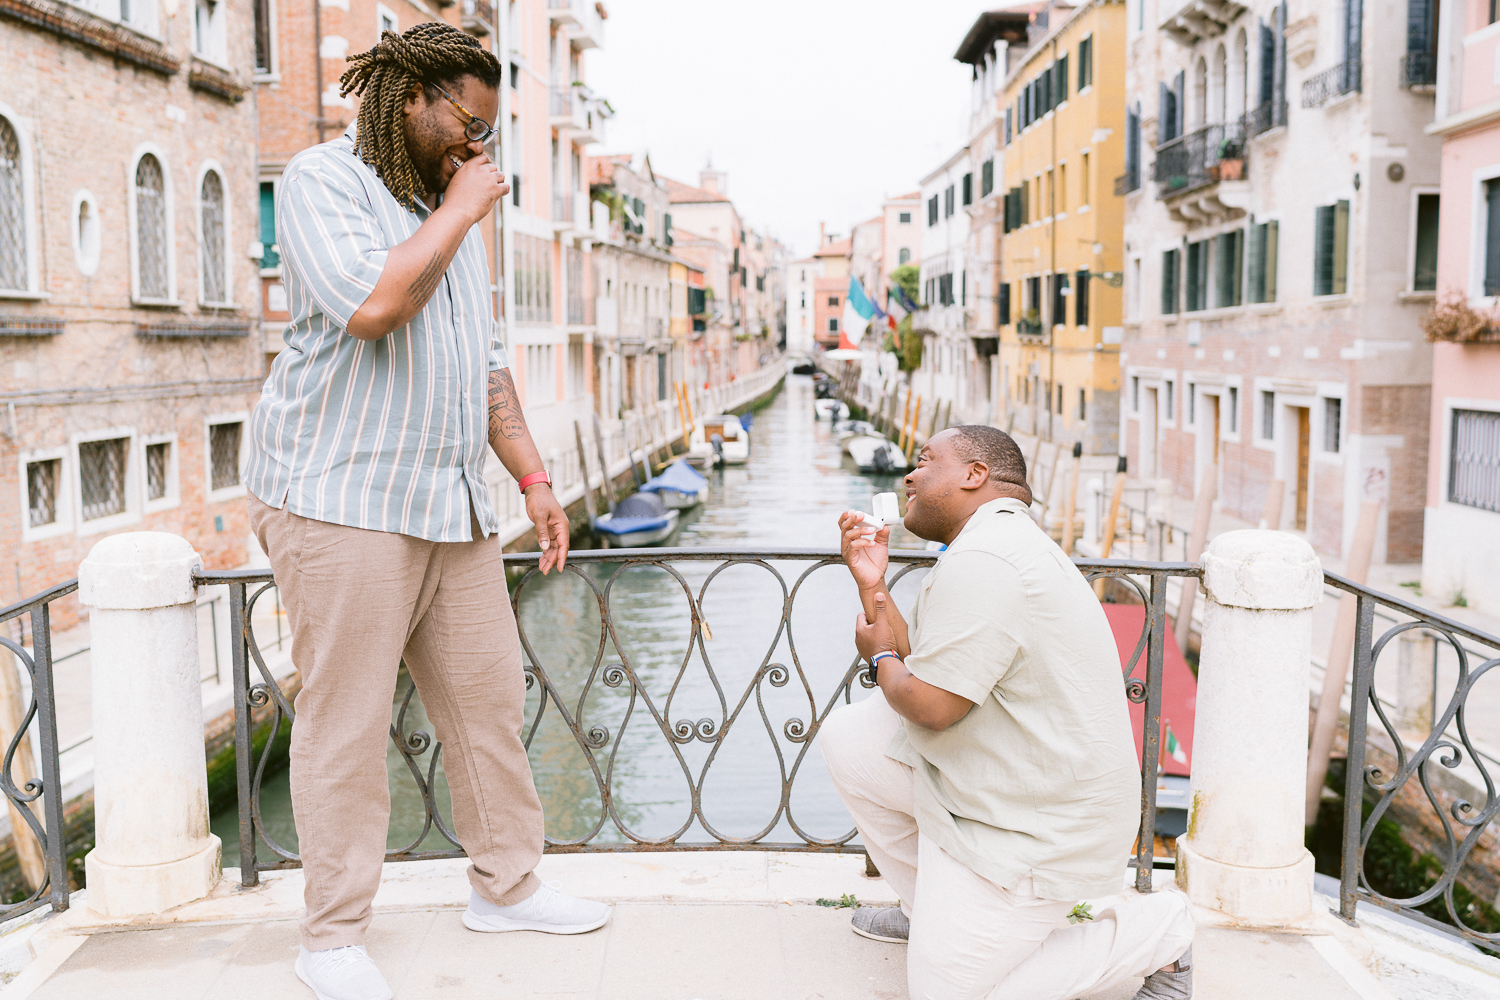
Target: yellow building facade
x=1062, y=249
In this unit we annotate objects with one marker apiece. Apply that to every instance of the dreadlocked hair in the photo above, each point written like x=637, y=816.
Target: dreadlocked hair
x=430, y=53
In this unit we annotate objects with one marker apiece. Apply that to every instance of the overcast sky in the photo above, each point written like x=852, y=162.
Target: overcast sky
x=817, y=109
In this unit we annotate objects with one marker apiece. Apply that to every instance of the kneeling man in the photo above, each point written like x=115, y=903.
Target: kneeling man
x=993, y=776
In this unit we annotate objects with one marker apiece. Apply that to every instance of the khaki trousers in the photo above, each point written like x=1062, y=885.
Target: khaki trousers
x=358, y=603
x=970, y=938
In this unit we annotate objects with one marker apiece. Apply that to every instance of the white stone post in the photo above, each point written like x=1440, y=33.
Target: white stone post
x=152, y=849
x=1243, y=853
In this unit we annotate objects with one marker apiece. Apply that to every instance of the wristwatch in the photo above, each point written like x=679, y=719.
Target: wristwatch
x=534, y=478
x=875, y=660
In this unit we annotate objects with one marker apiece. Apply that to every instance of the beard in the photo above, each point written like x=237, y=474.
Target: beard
x=427, y=147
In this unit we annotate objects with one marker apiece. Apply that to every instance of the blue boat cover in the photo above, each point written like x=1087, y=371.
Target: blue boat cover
x=747, y=418
x=678, y=476
x=627, y=525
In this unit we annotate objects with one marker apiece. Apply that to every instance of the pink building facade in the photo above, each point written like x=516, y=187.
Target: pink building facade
x=1462, y=536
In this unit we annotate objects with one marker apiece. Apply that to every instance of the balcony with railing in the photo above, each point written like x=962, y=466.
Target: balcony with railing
x=478, y=16
x=1332, y=83
x=1419, y=69
x=581, y=17
x=575, y=108
x=1202, y=175
x=1128, y=182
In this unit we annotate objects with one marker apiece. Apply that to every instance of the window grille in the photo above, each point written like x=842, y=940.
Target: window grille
x=151, y=228
x=42, y=479
x=12, y=210
x=158, y=460
x=224, y=453
x=1474, y=459
x=101, y=466
x=212, y=206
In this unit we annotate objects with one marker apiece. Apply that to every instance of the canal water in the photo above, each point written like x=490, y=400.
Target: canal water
x=788, y=495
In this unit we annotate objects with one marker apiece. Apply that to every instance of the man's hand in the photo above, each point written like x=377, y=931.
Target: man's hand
x=475, y=188
x=551, y=526
x=877, y=636
x=867, y=558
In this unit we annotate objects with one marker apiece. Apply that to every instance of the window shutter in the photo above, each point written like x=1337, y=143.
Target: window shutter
x=1279, y=93
x=1081, y=299
x=1419, y=25
x=1003, y=309
x=1340, y=248
x=1267, y=54
x=1179, y=88
x=1270, y=254
x=1323, y=250
x=1492, y=237
x=1062, y=78
x=1256, y=252
x=1169, y=282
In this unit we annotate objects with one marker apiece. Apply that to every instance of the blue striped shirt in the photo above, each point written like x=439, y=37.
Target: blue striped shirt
x=389, y=434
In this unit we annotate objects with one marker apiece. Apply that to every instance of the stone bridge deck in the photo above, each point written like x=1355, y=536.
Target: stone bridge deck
x=687, y=926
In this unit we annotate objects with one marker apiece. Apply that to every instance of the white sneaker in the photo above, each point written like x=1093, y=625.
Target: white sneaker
x=547, y=910
x=342, y=974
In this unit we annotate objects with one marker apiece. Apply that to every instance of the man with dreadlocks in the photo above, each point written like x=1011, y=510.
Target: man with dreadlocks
x=366, y=476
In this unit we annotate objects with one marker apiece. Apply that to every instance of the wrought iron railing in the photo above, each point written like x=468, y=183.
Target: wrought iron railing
x=1462, y=822
x=1264, y=118
x=1345, y=78
x=40, y=709
x=1206, y=156
x=1127, y=182
x=570, y=711
x=1419, y=69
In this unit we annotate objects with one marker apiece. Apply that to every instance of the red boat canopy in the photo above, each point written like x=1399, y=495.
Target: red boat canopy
x=1179, y=688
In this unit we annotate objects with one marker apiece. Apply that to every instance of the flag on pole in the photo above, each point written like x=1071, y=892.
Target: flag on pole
x=1172, y=747
x=903, y=299
x=858, y=311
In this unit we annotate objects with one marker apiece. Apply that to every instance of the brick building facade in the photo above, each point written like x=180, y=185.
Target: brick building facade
x=130, y=344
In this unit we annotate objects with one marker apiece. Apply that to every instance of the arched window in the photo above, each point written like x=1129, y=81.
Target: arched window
x=211, y=238
x=1218, y=96
x=1200, y=96
x=903, y=256
x=151, y=229
x=1239, y=78
x=13, y=269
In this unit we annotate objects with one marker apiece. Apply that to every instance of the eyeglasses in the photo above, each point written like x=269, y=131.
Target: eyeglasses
x=477, y=130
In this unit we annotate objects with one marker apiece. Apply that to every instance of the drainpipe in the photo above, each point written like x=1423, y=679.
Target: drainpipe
x=318, y=67
x=1052, y=211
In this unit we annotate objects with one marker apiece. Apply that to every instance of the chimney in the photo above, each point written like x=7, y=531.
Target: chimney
x=712, y=180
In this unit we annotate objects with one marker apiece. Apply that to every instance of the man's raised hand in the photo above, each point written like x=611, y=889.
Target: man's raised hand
x=866, y=557
x=475, y=188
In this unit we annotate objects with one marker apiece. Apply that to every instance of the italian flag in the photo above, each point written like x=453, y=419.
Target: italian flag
x=1172, y=747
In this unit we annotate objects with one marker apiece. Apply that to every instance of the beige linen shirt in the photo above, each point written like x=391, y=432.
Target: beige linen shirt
x=1040, y=778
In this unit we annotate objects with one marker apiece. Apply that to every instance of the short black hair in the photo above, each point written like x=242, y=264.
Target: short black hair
x=996, y=449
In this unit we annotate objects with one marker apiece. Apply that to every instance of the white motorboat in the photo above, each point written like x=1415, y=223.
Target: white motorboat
x=639, y=520
x=732, y=446
x=854, y=429
x=873, y=453
x=679, y=486
x=830, y=409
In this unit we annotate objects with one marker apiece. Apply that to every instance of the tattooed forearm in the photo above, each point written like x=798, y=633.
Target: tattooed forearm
x=422, y=287
x=506, y=419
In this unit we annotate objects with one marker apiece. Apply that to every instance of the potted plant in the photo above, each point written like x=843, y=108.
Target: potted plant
x=1231, y=165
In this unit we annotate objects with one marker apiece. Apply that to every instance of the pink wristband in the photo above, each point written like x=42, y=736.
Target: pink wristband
x=533, y=479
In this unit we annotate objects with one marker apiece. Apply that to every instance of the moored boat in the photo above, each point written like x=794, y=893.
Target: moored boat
x=679, y=486
x=639, y=520
x=830, y=409
x=732, y=446
x=873, y=453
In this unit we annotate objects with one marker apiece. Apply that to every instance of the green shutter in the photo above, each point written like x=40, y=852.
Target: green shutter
x=1256, y=254
x=1340, y=248
x=1323, y=250
x=1270, y=266
x=269, y=256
